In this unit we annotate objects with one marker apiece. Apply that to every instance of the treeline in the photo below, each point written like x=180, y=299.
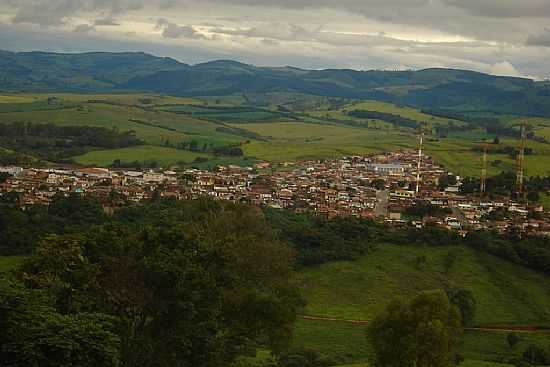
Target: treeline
x=14, y=159
x=384, y=116
x=317, y=240
x=505, y=149
x=491, y=124
x=21, y=230
x=56, y=143
x=197, y=146
x=478, y=120
x=505, y=184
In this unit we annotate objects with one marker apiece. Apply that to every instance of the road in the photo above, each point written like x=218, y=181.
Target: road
x=382, y=199
x=527, y=329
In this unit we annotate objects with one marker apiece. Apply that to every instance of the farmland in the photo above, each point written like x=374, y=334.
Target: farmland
x=274, y=127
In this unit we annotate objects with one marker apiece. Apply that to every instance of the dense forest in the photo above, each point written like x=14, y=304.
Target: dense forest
x=57, y=143
x=195, y=283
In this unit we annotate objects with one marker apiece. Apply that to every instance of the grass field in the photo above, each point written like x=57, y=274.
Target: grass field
x=295, y=141
x=8, y=263
x=505, y=294
x=348, y=343
x=314, y=136
x=125, y=113
x=164, y=156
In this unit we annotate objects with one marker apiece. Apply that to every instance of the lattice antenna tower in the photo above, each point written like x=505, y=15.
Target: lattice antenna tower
x=419, y=160
x=521, y=161
x=482, y=185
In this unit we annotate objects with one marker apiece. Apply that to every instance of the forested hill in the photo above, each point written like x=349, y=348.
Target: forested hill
x=458, y=90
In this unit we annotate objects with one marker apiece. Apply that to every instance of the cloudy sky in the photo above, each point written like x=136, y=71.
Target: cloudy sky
x=504, y=37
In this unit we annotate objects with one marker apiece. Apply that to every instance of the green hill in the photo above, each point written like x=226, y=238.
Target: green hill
x=506, y=294
x=449, y=89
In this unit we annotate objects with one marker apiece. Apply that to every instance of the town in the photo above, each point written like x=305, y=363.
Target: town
x=388, y=187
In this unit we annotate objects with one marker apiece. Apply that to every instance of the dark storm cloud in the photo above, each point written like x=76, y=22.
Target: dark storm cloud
x=504, y=8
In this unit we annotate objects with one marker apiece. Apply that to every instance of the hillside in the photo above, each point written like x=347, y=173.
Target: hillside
x=114, y=72
x=506, y=294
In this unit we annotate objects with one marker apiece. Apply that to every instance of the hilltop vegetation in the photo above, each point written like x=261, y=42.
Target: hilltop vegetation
x=109, y=72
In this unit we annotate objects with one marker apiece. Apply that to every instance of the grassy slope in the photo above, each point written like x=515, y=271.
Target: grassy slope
x=164, y=156
x=288, y=140
x=294, y=140
x=505, y=293
x=8, y=263
x=155, y=128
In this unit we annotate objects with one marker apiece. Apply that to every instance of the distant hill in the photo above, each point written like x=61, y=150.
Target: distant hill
x=458, y=90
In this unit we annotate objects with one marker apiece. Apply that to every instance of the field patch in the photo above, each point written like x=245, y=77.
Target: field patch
x=9, y=263
x=146, y=153
x=505, y=293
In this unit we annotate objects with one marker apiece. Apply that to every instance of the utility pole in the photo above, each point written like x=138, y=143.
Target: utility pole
x=521, y=161
x=483, y=171
x=419, y=161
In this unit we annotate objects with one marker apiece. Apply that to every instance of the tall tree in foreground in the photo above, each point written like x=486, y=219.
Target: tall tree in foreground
x=189, y=284
x=33, y=333
x=416, y=333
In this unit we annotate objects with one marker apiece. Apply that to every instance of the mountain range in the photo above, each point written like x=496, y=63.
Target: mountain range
x=436, y=88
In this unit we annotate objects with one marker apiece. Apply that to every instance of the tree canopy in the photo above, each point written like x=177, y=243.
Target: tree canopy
x=186, y=283
x=419, y=332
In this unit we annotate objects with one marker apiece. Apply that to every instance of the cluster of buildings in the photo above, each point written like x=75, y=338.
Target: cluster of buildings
x=385, y=186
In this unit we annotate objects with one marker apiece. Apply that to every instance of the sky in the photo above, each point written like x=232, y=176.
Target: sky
x=502, y=37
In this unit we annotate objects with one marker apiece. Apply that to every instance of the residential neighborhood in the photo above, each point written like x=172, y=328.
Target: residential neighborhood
x=385, y=187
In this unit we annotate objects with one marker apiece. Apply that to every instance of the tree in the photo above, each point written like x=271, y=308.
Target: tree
x=189, y=283
x=4, y=177
x=378, y=184
x=35, y=334
x=536, y=355
x=533, y=196
x=512, y=339
x=466, y=303
x=420, y=332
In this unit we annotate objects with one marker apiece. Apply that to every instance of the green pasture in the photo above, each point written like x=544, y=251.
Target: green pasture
x=8, y=263
x=296, y=141
x=505, y=293
x=347, y=342
x=164, y=156
x=155, y=127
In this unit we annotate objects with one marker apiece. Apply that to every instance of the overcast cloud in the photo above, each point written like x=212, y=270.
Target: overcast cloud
x=506, y=37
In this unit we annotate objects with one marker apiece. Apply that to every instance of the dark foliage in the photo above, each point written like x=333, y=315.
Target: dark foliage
x=317, y=240
x=194, y=283
x=56, y=143
x=20, y=230
x=384, y=116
